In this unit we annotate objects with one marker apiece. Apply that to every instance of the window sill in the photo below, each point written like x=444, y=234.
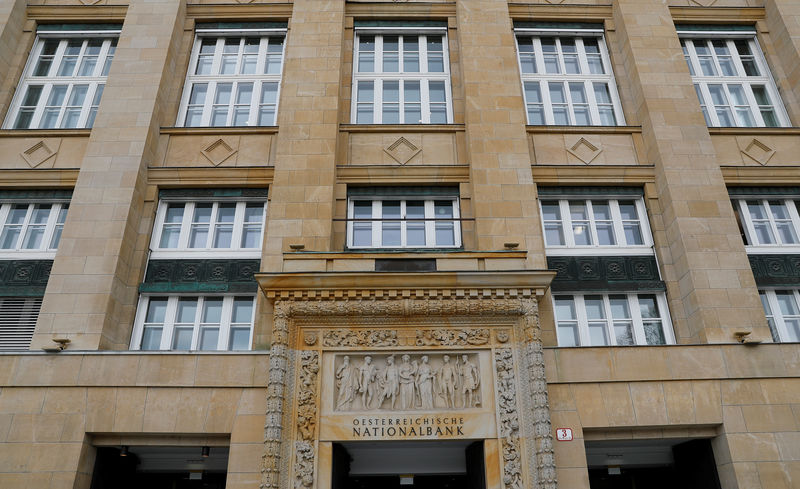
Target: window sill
x=219, y=130
x=584, y=129
x=600, y=251
x=401, y=127
x=384, y=253
x=44, y=133
x=735, y=131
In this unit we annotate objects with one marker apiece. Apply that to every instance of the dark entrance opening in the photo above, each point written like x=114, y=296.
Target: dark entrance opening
x=158, y=467
x=654, y=464
x=409, y=465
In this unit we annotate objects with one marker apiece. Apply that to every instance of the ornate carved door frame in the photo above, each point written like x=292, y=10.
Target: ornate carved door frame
x=319, y=312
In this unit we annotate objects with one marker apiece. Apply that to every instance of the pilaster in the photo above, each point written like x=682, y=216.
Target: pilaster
x=503, y=193
x=709, y=281
x=301, y=199
x=92, y=293
x=12, y=21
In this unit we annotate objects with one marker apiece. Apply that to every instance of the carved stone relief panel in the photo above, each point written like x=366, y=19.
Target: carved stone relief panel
x=346, y=338
x=414, y=381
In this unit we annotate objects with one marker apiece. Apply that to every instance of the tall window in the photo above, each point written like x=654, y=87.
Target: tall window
x=418, y=217
x=194, y=323
x=64, y=78
x=771, y=223
x=595, y=225
x=566, y=76
x=212, y=228
x=612, y=319
x=401, y=75
x=731, y=78
x=28, y=228
x=234, y=76
x=782, y=308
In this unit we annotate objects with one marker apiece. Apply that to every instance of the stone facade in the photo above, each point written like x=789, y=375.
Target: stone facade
x=278, y=407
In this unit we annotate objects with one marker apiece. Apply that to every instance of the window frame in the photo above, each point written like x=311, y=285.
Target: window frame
x=586, y=77
x=430, y=222
x=213, y=80
x=170, y=320
x=569, y=248
x=777, y=321
x=88, y=107
x=379, y=77
x=182, y=250
x=50, y=227
x=701, y=82
x=582, y=322
x=752, y=244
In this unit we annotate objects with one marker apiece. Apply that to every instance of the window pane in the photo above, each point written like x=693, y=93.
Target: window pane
x=242, y=310
x=415, y=230
x=533, y=98
x=435, y=54
x=391, y=102
x=597, y=334
x=391, y=54
x=654, y=333
x=182, y=339
x=172, y=226
x=240, y=339
x=274, y=56
x=565, y=309
x=365, y=96
x=648, y=306
x=151, y=338
x=391, y=229
x=156, y=310
x=786, y=302
x=595, y=308
x=366, y=54
x=209, y=338
x=212, y=311
x=623, y=331
x=410, y=54
x=551, y=64
x=187, y=307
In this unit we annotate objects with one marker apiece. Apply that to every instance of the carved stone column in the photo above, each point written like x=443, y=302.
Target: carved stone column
x=276, y=388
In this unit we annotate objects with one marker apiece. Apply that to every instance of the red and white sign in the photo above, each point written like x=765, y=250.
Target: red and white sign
x=564, y=434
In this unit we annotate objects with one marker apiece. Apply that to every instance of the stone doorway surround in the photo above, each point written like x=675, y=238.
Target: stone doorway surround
x=492, y=317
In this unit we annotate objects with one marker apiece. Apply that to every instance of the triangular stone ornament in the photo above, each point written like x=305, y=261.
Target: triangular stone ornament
x=585, y=150
x=37, y=154
x=703, y=3
x=218, y=151
x=402, y=150
x=759, y=152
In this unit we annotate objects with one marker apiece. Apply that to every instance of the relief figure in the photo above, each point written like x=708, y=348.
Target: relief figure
x=406, y=373
x=390, y=382
x=447, y=379
x=347, y=381
x=367, y=374
x=424, y=383
x=470, y=378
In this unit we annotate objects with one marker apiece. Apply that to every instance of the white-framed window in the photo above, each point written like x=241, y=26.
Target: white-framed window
x=30, y=229
x=403, y=222
x=210, y=228
x=596, y=225
x=401, y=76
x=769, y=224
x=234, y=77
x=567, y=77
x=64, y=79
x=732, y=80
x=600, y=319
x=782, y=308
x=194, y=322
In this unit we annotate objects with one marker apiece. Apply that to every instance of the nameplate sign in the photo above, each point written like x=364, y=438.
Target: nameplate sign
x=406, y=426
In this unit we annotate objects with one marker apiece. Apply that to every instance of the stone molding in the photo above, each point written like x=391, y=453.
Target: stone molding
x=24, y=278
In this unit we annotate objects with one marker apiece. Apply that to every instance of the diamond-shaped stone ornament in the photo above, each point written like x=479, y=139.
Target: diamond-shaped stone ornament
x=37, y=154
x=584, y=150
x=703, y=3
x=402, y=150
x=759, y=152
x=218, y=151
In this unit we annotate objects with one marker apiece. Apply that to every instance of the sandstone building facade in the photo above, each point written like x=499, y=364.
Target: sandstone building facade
x=325, y=244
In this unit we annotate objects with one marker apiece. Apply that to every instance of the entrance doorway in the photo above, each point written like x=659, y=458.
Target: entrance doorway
x=655, y=464
x=160, y=467
x=409, y=465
